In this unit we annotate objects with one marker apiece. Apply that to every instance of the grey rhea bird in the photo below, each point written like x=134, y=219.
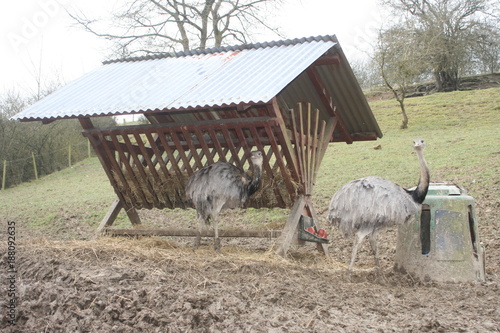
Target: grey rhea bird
x=220, y=186
x=364, y=206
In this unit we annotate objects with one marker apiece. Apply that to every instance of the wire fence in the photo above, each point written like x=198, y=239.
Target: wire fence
x=33, y=165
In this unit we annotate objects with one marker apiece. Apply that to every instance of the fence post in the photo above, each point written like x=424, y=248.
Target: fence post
x=88, y=147
x=34, y=165
x=69, y=155
x=4, y=174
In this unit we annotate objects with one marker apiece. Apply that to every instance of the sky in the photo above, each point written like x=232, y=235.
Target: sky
x=39, y=40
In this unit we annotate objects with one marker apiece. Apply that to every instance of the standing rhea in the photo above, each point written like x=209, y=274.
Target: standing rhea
x=364, y=206
x=220, y=186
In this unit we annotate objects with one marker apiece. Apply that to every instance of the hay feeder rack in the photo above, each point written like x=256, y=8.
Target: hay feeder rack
x=288, y=99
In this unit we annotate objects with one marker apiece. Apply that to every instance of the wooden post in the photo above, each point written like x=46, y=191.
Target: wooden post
x=88, y=147
x=112, y=213
x=4, y=174
x=291, y=225
x=34, y=165
x=69, y=155
x=110, y=217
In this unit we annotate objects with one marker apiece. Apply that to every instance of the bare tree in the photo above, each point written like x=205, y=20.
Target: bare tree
x=487, y=50
x=153, y=26
x=399, y=56
x=448, y=27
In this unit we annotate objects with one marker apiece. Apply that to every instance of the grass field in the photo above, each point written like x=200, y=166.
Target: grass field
x=461, y=129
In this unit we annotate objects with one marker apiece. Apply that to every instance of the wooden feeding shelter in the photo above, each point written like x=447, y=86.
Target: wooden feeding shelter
x=288, y=99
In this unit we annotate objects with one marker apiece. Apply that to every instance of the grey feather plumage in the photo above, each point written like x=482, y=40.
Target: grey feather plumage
x=216, y=187
x=221, y=186
x=370, y=202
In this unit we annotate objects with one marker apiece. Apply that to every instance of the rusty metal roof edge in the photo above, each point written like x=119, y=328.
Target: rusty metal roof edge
x=241, y=47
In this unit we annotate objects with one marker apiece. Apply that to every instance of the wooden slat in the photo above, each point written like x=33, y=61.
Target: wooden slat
x=329, y=129
x=132, y=179
x=134, y=149
x=192, y=151
x=204, y=147
x=159, y=158
x=181, y=153
x=147, y=159
x=139, y=166
x=170, y=156
x=284, y=139
x=113, y=166
x=279, y=161
x=298, y=143
x=234, y=151
x=307, y=147
x=215, y=142
x=243, y=143
x=314, y=149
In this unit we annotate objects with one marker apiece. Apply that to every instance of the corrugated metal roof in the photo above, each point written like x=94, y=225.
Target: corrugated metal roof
x=223, y=76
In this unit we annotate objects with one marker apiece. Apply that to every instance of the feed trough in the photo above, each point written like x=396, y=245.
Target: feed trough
x=442, y=243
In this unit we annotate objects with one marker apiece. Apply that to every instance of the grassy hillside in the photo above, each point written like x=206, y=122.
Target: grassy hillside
x=461, y=129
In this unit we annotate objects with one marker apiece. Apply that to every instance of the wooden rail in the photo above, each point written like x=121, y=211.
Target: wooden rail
x=192, y=233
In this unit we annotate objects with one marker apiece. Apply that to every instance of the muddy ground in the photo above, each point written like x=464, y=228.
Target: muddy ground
x=162, y=285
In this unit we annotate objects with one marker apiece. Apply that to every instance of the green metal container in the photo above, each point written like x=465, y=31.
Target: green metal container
x=442, y=242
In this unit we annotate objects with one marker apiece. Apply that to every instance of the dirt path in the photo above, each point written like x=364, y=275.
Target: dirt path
x=151, y=285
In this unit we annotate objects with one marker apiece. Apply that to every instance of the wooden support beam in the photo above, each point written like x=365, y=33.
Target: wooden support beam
x=290, y=230
x=86, y=123
x=332, y=59
x=113, y=212
x=189, y=126
x=133, y=216
x=284, y=139
x=110, y=216
x=193, y=233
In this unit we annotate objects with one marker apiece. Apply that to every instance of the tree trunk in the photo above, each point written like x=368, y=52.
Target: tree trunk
x=446, y=80
x=404, y=123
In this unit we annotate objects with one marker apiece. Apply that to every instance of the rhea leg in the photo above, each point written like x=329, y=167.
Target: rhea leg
x=201, y=226
x=217, y=204
x=373, y=242
x=359, y=238
x=217, y=245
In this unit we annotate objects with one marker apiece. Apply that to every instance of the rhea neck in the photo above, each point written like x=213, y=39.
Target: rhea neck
x=255, y=182
x=420, y=192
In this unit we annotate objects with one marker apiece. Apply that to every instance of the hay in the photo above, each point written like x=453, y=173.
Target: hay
x=169, y=191
x=145, y=251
